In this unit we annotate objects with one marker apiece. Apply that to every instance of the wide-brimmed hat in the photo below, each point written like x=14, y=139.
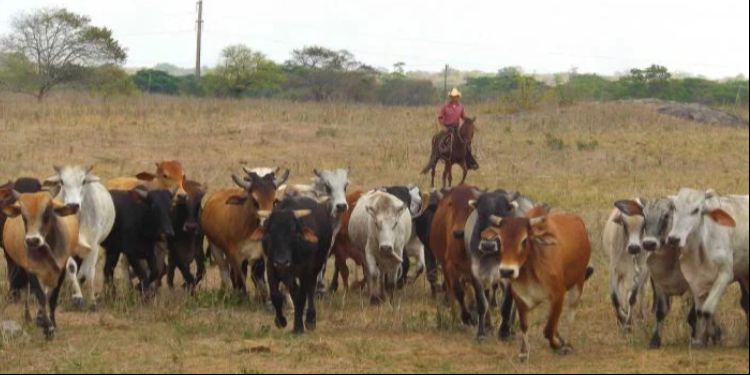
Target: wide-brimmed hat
x=454, y=93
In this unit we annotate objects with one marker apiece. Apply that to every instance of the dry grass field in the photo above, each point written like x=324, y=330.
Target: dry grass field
x=578, y=158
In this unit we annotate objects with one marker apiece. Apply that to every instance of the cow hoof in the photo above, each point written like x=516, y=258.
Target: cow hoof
x=467, y=319
x=49, y=333
x=655, y=342
x=93, y=307
x=298, y=330
x=375, y=301
x=280, y=322
x=480, y=338
x=697, y=343
x=78, y=303
x=310, y=325
x=523, y=357
x=504, y=334
x=564, y=350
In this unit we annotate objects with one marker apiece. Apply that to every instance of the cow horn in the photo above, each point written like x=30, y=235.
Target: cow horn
x=496, y=220
x=513, y=195
x=281, y=180
x=316, y=172
x=301, y=213
x=51, y=180
x=89, y=168
x=57, y=168
x=425, y=204
x=241, y=182
x=16, y=194
x=537, y=220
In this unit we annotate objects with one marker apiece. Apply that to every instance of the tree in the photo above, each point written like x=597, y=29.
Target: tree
x=242, y=71
x=156, y=82
x=319, y=73
x=109, y=80
x=59, y=44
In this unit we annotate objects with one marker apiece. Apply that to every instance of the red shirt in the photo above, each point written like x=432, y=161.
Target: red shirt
x=451, y=114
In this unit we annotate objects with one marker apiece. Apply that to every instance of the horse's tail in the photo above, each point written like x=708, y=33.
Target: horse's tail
x=433, y=159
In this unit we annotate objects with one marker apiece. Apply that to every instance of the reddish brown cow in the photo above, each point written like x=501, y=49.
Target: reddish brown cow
x=545, y=256
x=447, y=243
x=169, y=175
x=230, y=221
x=343, y=248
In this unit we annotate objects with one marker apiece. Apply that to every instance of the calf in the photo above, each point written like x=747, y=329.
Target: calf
x=343, y=248
x=168, y=175
x=628, y=272
x=18, y=279
x=544, y=257
x=41, y=235
x=142, y=217
x=186, y=246
x=485, y=255
x=712, y=232
x=296, y=238
x=381, y=225
x=78, y=186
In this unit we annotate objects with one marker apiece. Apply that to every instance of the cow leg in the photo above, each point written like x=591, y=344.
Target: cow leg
x=506, y=312
x=481, y=308
x=458, y=291
x=311, y=316
x=221, y=261
x=171, y=266
x=42, y=319
x=277, y=298
x=745, y=302
x=523, y=321
x=432, y=175
x=662, y=309
x=110, y=263
x=550, y=331
x=200, y=260
x=258, y=276
x=465, y=170
x=300, y=297
x=373, y=276
x=432, y=272
x=71, y=268
x=184, y=266
x=405, y=265
x=53, y=300
x=614, y=285
x=18, y=279
x=87, y=274
x=141, y=273
x=706, y=310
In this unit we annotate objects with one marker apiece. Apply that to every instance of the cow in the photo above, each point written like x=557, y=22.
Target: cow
x=77, y=186
x=296, y=237
x=169, y=175
x=662, y=260
x=447, y=244
x=142, y=218
x=230, y=217
x=343, y=248
x=18, y=278
x=422, y=225
x=186, y=246
x=412, y=197
x=484, y=256
x=381, y=225
x=712, y=232
x=41, y=235
x=545, y=257
x=628, y=272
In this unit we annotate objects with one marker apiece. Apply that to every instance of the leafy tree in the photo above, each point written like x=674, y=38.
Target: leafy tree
x=243, y=71
x=156, y=82
x=59, y=44
x=319, y=73
x=109, y=80
x=404, y=91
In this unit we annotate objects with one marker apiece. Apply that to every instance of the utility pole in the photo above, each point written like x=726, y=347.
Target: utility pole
x=199, y=27
x=445, y=80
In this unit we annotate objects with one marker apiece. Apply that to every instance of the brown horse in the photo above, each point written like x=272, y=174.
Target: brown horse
x=452, y=148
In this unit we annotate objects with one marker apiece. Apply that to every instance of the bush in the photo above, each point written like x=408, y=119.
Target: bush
x=156, y=82
x=403, y=91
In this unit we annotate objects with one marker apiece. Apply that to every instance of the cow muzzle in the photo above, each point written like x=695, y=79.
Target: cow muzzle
x=34, y=242
x=341, y=208
x=634, y=249
x=674, y=241
x=488, y=247
x=650, y=245
x=508, y=273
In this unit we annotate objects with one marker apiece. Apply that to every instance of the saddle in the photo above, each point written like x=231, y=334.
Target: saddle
x=445, y=140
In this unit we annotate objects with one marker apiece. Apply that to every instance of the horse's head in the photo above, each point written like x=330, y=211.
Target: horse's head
x=468, y=128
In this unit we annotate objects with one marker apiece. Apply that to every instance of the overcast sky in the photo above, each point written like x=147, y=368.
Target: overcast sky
x=706, y=37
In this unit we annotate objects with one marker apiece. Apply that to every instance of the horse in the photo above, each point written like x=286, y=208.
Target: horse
x=451, y=151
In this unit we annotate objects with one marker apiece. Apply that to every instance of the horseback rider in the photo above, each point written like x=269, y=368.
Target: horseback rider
x=450, y=118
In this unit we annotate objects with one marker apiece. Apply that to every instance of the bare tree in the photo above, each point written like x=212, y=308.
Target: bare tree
x=58, y=44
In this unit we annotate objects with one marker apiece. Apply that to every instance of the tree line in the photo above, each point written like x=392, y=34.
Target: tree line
x=52, y=48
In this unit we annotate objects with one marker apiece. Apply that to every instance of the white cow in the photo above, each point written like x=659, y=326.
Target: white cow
x=712, y=232
x=77, y=186
x=381, y=225
x=628, y=272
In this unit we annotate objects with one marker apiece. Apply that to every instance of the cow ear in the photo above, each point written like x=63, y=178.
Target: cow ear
x=51, y=181
x=139, y=193
x=711, y=193
x=309, y=235
x=145, y=176
x=11, y=210
x=258, y=234
x=6, y=191
x=721, y=217
x=629, y=207
x=66, y=210
x=301, y=213
x=236, y=200
x=91, y=178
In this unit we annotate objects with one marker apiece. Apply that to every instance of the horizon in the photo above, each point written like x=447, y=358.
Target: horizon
x=385, y=32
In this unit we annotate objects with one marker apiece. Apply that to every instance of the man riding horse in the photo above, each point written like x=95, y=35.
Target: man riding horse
x=449, y=141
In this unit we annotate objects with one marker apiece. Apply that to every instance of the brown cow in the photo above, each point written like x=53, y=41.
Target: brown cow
x=343, y=248
x=41, y=235
x=545, y=256
x=169, y=175
x=447, y=244
x=230, y=220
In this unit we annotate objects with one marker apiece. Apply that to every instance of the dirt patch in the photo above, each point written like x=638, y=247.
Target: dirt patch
x=695, y=112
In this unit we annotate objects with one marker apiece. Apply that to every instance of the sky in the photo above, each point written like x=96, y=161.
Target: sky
x=701, y=37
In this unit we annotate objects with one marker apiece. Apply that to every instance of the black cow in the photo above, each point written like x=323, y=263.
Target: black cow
x=142, y=217
x=18, y=278
x=422, y=225
x=186, y=245
x=296, y=238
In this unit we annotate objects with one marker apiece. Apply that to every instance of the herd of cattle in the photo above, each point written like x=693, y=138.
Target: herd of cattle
x=488, y=243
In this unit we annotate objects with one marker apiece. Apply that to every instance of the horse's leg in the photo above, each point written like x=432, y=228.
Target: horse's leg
x=446, y=170
x=465, y=169
x=432, y=181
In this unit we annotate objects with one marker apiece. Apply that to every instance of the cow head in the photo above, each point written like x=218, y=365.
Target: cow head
x=188, y=212
x=632, y=220
x=159, y=203
x=385, y=212
x=260, y=190
x=68, y=182
x=39, y=212
x=332, y=184
x=518, y=238
x=283, y=234
x=486, y=205
x=657, y=214
x=690, y=210
x=169, y=175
